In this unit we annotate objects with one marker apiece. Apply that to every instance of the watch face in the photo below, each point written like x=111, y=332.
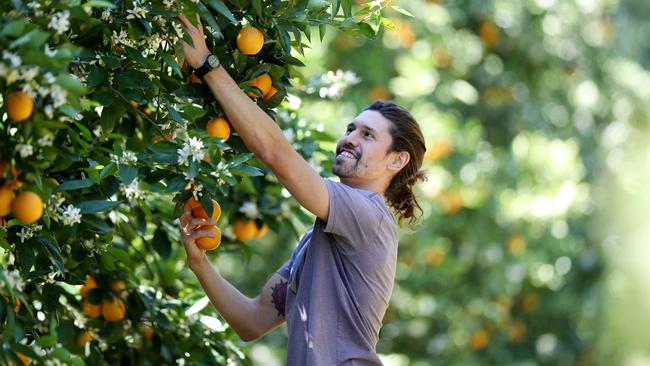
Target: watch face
x=213, y=61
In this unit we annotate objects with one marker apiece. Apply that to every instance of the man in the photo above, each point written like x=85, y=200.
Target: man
x=334, y=291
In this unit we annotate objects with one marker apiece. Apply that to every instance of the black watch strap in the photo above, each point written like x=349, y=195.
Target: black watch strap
x=211, y=62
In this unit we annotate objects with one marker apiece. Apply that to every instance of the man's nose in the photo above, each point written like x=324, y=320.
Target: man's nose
x=351, y=139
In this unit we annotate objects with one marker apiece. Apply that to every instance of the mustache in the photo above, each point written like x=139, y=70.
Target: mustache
x=348, y=148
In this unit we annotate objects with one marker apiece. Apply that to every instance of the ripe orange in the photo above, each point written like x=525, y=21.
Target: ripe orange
x=263, y=83
x=147, y=332
x=209, y=243
x=119, y=287
x=87, y=286
x=270, y=94
x=192, y=202
x=24, y=359
x=7, y=196
x=218, y=127
x=84, y=337
x=16, y=307
x=113, y=309
x=92, y=310
x=479, y=339
x=158, y=138
x=262, y=231
x=250, y=41
x=200, y=213
x=245, y=230
x=27, y=207
x=19, y=106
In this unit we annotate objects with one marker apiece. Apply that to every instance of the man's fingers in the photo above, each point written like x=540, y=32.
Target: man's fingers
x=200, y=234
x=187, y=24
x=199, y=24
x=198, y=222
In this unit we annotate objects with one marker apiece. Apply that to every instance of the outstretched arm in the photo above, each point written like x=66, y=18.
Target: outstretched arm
x=258, y=131
x=249, y=318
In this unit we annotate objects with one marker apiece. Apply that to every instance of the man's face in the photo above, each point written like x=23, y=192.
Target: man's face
x=361, y=152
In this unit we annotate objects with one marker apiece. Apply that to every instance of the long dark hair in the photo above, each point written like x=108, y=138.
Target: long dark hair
x=407, y=136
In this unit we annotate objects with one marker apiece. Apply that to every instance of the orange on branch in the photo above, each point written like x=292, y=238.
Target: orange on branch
x=270, y=94
x=209, y=242
x=19, y=106
x=92, y=310
x=147, y=332
x=84, y=337
x=24, y=359
x=119, y=287
x=479, y=339
x=218, y=127
x=245, y=229
x=263, y=83
x=200, y=213
x=262, y=231
x=113, y=309
x=87, y=286
x=250, y=41
x=27, y=207
x=7, y=196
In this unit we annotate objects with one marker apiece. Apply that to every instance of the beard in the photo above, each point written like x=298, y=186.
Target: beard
x=345, y=167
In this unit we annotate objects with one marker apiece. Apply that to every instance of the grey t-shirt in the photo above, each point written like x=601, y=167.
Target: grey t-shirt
x=340, y=280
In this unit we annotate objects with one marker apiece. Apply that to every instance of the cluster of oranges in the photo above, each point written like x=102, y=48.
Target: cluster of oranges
x=247, y=229
x=198, y=212
x=112, y=308
x=27, y=206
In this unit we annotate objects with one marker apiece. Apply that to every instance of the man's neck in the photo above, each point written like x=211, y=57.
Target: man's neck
x=376, y=185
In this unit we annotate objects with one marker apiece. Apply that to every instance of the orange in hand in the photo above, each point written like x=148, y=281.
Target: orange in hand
x=209, y=242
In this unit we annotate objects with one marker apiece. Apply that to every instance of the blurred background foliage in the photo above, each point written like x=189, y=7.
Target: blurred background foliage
x=530, y=250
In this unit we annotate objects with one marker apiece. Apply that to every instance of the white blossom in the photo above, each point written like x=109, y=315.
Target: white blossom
x=8, y=73
x=27, y=232
x=49, y=111
x=106, y=15
x=36, y=7
x=137, y=12
x=49, y=77
x=49, y=52
x=13, y=58
x=249, y=209
x=14, y=280
x=168, y=3
x=193, y=148
x=43, y=91
x=129, y=157
x=30, y=73
x=59, y=95
x=25, y=150
x=133, y=192
x=97, y=131
x=60, y=22
x=46, y=140
x=121, y=38
x=71, y=215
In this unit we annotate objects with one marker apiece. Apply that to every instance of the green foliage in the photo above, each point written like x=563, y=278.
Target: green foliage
x=114, y=147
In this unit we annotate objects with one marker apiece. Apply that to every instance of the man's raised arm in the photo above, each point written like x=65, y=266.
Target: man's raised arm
x=258, y=131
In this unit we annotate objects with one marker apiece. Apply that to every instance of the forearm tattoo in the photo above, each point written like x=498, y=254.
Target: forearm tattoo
x=279, y=296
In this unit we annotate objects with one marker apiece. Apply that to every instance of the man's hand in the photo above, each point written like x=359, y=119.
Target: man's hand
x=195, y=255
x=195, y=56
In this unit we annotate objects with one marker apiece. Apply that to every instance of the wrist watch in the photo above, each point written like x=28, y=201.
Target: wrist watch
x=210, y=63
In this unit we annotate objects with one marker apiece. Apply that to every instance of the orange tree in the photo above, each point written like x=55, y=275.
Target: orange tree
x=105, y=138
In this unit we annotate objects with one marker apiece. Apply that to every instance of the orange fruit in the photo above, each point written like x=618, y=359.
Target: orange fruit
x=113, y=309
x=250, y=41
x=87, y=286
x=195, y=79
x=92, y=310
x=19, y=106
x=218, y=127
x=489, y=33
x=479, y=339
x=24, y=359
x=84, y=337
x=119, y=287
x=263, y=83
x=16, y=307
x=200, y=213
x=440, y=149
x=192, y=202
x=7, y=196
x=516, y=244
x=245, y=230
x=262, y=231
x=208, y=242
x=270, y=94
x=158, y=138
x=27, y=207
x=147, y=332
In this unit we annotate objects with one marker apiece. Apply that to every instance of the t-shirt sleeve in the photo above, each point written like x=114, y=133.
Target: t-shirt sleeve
x=352, y=215
x=285, y=270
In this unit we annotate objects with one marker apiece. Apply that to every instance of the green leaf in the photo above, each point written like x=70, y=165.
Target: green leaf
x=25, y=255
x=336, y=5
x=246, y=170
x=257, y=6
x=161, y=243
x=366, y=30
x=72, y=185
x=71, y=84
x=347, y=8
x=107, y=170
x=47, y=340
x=121, y=255
x=207, y=16
x=133, y=79
x=53, y=250
x=95, y=206
x=176, y=184
x=174, y=65
x=322, y=28
x=14, y=29
x=128, y=173
x=238, y=159
x=221, y=9
x=402, y=10
x=35, y=39
x=96, y=76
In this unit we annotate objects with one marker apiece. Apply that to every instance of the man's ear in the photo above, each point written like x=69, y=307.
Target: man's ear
x=399, y=160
